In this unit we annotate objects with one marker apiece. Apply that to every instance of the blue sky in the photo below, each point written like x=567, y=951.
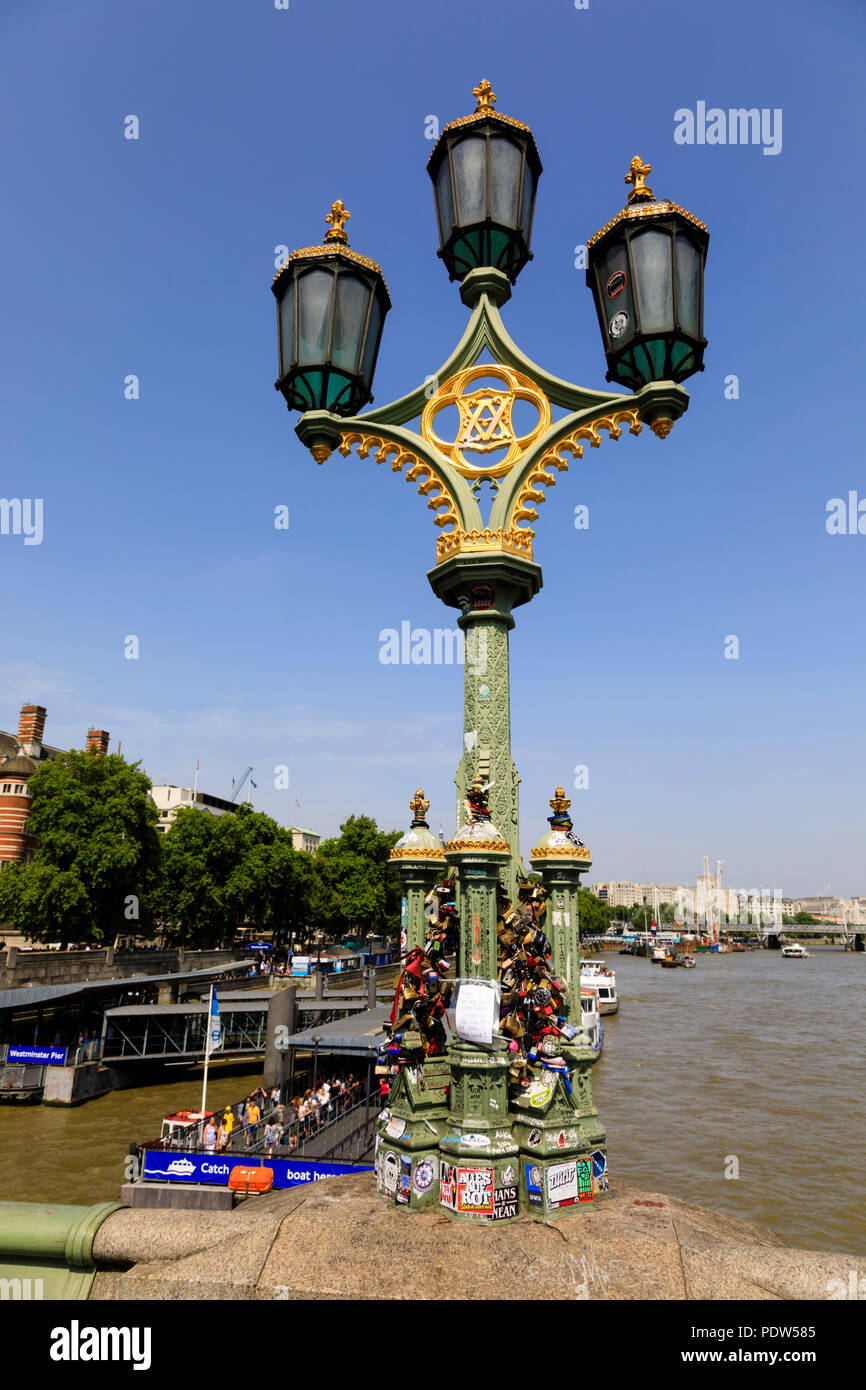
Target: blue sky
x=155, y=257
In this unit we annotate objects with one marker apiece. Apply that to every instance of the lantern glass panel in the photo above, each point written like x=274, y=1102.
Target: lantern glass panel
x=314, y=291
x=373, y=331
x=504, y=181
x=616, y=289
x=526, y=206
x=470, y=176
x=445, y=199
x=688, y=284
x=351, y=311
x=652, y=267
x=287, y=328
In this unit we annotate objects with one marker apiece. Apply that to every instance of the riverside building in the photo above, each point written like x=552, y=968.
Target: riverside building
x=20, y=756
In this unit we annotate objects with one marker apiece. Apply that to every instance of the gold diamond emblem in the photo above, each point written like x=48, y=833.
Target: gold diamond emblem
x=485, y=419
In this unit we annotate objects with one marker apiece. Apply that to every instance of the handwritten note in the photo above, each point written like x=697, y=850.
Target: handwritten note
x=477, y=1011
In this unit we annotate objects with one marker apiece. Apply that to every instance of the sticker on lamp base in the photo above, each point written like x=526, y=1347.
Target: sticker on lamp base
x=600, y=1176
x=424, y=1176
x=533, y=1184
x=475, y=1190
x=448, y=1186
x=618, y=324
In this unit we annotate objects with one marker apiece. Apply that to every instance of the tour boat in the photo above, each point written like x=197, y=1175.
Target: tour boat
x=591, y=1020
x=185, y=1128
x=794, y=951
x=596, y=975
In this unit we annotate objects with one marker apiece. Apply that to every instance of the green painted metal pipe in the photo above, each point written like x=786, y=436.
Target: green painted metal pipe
x=46, y=1249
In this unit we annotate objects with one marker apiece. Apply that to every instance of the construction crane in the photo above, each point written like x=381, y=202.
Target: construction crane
x=237, y=786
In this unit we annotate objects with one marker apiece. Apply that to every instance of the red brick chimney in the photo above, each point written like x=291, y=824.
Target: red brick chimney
x=31, y=727
x=97, y=741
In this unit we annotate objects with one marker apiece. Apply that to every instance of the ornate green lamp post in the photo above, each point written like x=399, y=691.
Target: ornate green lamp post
x=561, y=859
x=646, y=272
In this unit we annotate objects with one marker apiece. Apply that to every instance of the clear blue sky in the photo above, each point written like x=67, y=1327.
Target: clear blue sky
x=155, y=257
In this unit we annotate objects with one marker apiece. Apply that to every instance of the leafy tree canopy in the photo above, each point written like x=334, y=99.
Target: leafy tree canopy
x=98, y=852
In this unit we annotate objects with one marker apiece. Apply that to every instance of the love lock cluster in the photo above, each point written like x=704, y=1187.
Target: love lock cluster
x=531, y=1013
x=423, y=994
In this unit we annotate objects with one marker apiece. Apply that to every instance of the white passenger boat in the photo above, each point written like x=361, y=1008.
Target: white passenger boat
x=594, y=974
x=794, y=951
x=590, y=1019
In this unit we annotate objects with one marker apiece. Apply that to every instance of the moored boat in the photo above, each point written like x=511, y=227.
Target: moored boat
x=675, y=959
x=184, y=1129
x=591, y=1021
x=596, y=975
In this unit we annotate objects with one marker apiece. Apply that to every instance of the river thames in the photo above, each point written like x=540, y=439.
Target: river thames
x=748, y=1057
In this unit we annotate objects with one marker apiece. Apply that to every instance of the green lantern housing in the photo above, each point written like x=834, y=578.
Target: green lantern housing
x=485, y=169
x=331, y=305
x=646, y=272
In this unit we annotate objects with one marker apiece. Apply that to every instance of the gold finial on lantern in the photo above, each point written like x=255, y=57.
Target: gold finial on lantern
x=485, y=94
x=338, y=215
x=637, y=172
x=418, y=806
x=559, y=802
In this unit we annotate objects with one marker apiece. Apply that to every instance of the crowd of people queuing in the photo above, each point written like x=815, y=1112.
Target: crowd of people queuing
x=264, y=1119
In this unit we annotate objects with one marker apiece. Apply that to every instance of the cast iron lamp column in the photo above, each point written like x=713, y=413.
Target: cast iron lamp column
x=561, y=861
x=645, y=269
x=479, y=1154
x=408, y=1167
x=420, y=860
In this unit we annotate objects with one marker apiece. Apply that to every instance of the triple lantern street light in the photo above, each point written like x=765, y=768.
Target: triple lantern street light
x=645, y=269
x=496, y=1152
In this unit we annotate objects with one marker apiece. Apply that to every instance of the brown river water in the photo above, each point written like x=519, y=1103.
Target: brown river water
x=748, y=1056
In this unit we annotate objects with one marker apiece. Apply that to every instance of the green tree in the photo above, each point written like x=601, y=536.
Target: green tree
x=97, y=860
x=357, y=891
x=594, y=914
x=222, y=872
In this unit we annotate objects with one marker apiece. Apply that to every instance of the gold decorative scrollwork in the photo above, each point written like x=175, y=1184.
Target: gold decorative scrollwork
x=558, y=852
x=662, y=428
x=438, y=497
x=486, y=424
x=479, y=846
x=530, y=495
x=517, y=541
x=417, y=854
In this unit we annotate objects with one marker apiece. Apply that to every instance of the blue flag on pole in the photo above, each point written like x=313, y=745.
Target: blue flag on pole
x=216, y=1027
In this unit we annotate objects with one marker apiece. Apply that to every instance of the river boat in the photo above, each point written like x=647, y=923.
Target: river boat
x=676, y=959
x=595, y=974
x=591, y=1021
x=792, y=950
x=185, y=1129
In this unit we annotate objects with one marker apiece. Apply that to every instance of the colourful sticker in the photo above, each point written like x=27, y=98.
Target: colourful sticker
x=475, y=1190
x=533, y=1184
x=600, y=1178
x=448, y=1186
x=615, y=285
x=424, y=1176
x=561, y=1184
x=584, y=1180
